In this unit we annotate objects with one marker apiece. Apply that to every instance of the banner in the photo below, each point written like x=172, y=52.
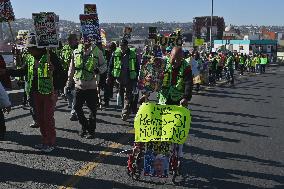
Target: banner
x=162, y=123
x=198, y=42
x=90, y=28
x=6, y=11
x=90, y=9
x=46, y=29
x=169, y=41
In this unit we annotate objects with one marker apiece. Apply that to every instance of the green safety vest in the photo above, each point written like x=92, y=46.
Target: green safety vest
x=66, y=56
x=84, y=69
x=242, y=60
x=169, y=91
x=45, y=81
x=263, y=61
x=118, y=62
x=230, y=62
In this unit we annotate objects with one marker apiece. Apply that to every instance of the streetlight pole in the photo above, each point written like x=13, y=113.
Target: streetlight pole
x=211, y=24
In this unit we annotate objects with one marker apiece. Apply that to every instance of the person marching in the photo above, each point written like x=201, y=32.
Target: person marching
x=86, y=65
x=263, y=62
x=242, y=64
x=124, y=68
x=108, y=92
x=177, y=83
x=230, y=68
x=5, y=104
x=66, y=56
x=44, y=77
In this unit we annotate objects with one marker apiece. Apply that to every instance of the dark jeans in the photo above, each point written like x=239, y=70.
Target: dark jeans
x=108, y=92
x=262, y=68
x=90, y=97
x=219, y=72
x=125, y=91
x=242, y=68
x=2, y=124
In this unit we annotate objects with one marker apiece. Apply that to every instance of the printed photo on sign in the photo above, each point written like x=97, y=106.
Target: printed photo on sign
x=46, y=29
x=90, y=28
x=127, y=32
x=6, y=11
x=90, y=9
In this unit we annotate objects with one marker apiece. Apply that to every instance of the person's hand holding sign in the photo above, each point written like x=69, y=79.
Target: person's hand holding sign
x=184, y=102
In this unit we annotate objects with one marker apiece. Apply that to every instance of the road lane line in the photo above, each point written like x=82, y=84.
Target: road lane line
x=89, y=167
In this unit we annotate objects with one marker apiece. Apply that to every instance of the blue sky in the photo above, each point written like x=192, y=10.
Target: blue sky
x=237, y=12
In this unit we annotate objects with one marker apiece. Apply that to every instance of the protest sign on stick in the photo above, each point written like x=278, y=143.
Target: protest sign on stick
x=90, y=28
x=152, y=33
x=90, y=9
x=46, y=29
x=127, y=33
x=6, y=11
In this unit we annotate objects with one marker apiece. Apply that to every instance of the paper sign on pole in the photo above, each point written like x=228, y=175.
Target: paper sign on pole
x=90, y=9
x=6, y=11
x=46, y=29
x=90, y=28
x=152, y=33
x=162, y=123
x=170, y=41
x=127, y=33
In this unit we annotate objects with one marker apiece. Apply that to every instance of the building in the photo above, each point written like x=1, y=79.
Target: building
x=248, y=46
x=230, y=33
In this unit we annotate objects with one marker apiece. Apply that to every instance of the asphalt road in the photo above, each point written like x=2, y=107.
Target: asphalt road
x=236, y=142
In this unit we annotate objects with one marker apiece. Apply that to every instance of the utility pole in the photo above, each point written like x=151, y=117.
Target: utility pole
x=211, y=25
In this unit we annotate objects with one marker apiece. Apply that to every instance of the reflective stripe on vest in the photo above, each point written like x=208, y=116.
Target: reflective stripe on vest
x=118, y=62
x=45, y=83
x=84, y=69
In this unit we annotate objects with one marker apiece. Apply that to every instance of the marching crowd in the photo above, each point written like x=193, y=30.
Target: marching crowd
x=81, y=71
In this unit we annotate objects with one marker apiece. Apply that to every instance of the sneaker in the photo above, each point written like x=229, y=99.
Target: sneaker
x=34, y=125
x=90, y=136
x=74, y=117
x=44, y=148
x=47, y=149
x=39, y=146
x=124, y=117
x=82, y=133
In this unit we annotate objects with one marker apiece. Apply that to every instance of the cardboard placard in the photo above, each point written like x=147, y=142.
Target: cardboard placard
x=90, y=28
x=152, y=33
x=6, y=11
x=46, y=29
x=127, y=33
x=90, y=9
x=169, y=41
x=162, y=123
